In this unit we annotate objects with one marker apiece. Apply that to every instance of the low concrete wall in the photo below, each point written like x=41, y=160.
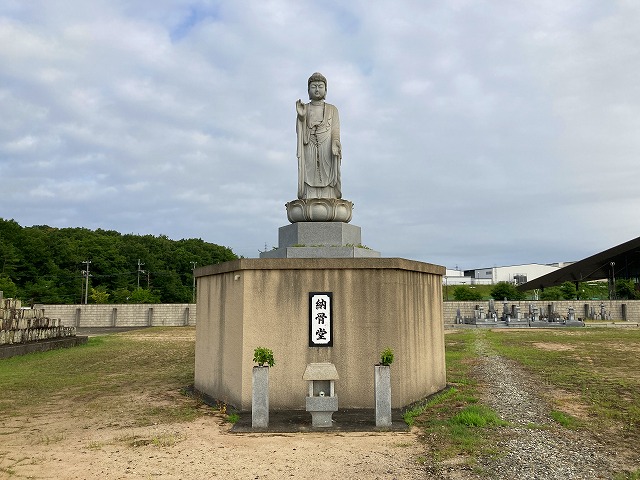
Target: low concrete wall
x=130, y=315
x=628, y=310
x=7, y=351
x=124, y=315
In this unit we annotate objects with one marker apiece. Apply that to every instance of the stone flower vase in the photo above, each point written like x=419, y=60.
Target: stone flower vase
x=260, y=397
x=382, y=391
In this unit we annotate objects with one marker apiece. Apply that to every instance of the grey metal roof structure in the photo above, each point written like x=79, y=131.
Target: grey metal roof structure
x=621, y=261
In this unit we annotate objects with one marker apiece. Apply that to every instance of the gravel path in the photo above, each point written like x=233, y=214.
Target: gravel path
x=548, y=452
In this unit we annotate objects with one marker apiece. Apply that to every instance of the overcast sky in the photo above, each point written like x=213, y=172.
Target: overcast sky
x=474, y=134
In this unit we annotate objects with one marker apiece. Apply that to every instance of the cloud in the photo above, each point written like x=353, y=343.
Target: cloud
x=474, y=133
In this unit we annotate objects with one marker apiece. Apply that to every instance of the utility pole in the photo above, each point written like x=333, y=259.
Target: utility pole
x=139, y=271
x=193, y=269
x=86, y=276
x=612, y=288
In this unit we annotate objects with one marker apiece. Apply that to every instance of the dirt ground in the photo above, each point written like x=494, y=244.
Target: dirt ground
x=63, y=442
x=53, y=446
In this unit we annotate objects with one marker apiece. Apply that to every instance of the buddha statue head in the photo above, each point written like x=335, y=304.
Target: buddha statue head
x=317, y=86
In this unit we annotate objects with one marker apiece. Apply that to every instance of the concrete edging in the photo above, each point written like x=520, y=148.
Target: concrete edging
x=7, y=351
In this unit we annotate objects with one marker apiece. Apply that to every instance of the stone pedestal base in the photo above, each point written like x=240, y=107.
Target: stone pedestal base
x=260, y=397
x=574, y=323
x=320, y=240
x=315, y=234
x=382, y=392
x=321, y=410
x=321, y=252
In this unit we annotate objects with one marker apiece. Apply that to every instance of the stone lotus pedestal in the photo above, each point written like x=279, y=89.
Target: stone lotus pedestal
x=382, y=393
x=319, y=210
x=260, y=397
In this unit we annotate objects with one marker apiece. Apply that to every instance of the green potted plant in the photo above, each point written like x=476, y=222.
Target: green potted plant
x=382, y=388
x=386, y=357
x=263, y=355
x=260, y=387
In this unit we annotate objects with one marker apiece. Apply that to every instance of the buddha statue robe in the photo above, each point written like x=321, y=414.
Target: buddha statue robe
x=318, y=151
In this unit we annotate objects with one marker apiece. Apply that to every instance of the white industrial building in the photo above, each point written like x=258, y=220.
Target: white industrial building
x=516, y=274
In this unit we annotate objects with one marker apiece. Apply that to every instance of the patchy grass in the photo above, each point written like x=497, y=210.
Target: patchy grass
x=96, y=445
x=48, y=439
x=477, y=416
x=419, y=409
x=233, y=417
x=598, y=367
x=136, y=377
x=164, y=440
x=593, y=374
x=565, y=419
x=182, y=412
x=628, y=476
x=453, y=423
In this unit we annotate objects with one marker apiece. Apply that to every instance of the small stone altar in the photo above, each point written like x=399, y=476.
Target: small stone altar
x=320, y=298
x=321, y=400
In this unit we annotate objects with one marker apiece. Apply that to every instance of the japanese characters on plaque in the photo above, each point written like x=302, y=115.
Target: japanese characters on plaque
x=320, y=321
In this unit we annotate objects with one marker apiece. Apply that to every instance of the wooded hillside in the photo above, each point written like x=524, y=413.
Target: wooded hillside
x=42, y=264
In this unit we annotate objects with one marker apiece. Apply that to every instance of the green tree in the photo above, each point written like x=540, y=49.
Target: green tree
x=9, y=257
x=7, y=287
x=626, y=289
x=10, y=239
x=42, y=290
x=568, y=290
x=506, y=290
x=465, y=293
x=99, y=295
x=45, y=263
x=121, y=295
x=552, y=293
x=593, y=290
x=171, y=288
x=142, y=295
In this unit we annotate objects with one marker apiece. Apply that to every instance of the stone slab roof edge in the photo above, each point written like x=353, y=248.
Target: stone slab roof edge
x=319, y=264
x=320, y=371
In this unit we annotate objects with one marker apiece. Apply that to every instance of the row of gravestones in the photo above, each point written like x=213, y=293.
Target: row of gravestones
x=12, y=337
x=23, y=325
x=513, y=316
